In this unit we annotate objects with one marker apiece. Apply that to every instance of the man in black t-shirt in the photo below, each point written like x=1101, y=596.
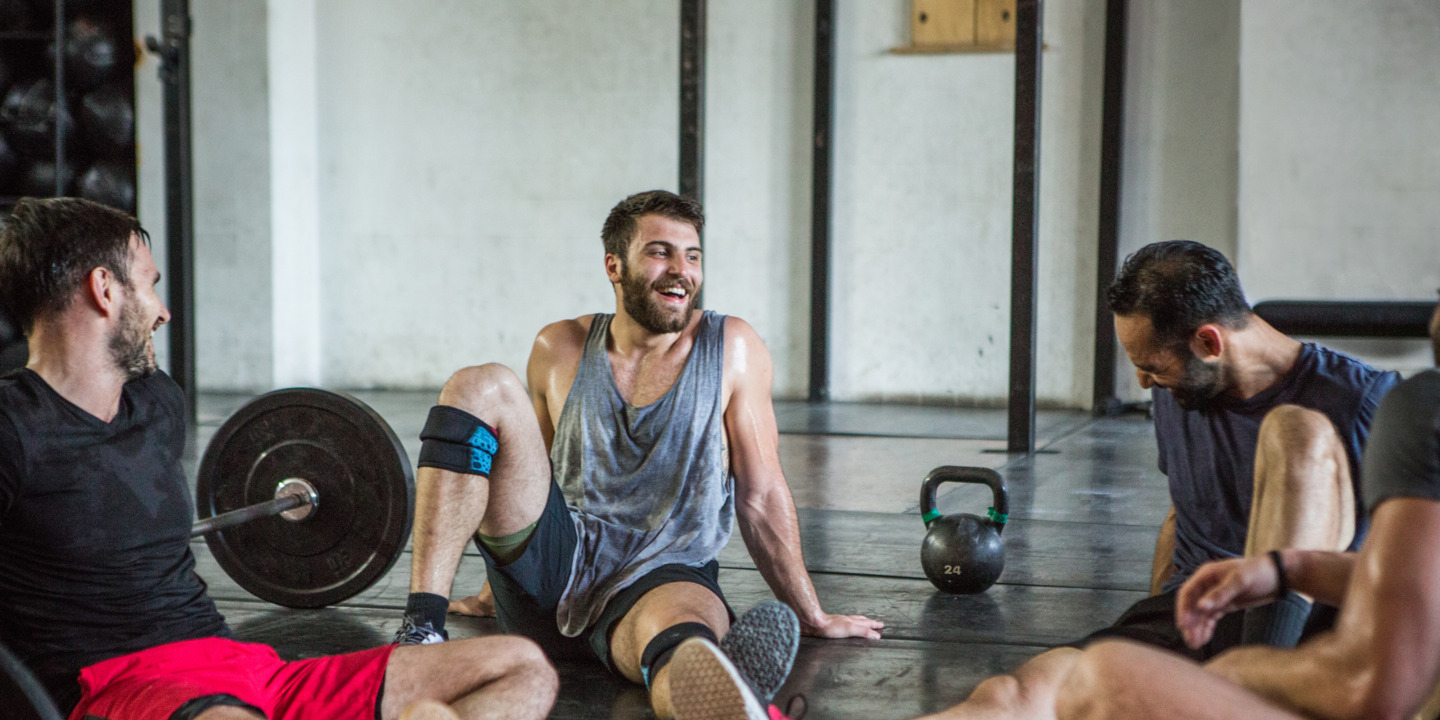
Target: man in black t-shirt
x=98, y=592
x=1260, y=437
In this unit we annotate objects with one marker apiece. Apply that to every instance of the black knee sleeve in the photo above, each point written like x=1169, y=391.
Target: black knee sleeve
x=657, y=653
x=457, y=441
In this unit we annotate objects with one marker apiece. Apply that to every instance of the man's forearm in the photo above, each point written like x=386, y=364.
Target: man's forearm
x=772, y=535
x=1322, y=575
x=1318, y=679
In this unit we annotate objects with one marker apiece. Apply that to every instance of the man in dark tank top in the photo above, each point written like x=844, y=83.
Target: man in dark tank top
x=1261, y=440
x=601, y=497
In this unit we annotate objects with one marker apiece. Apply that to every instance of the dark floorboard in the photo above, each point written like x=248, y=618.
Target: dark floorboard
x=1078, y=550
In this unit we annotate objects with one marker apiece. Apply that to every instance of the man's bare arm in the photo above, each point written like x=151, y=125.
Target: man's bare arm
x=1380, y=661
x=765, y=510
x=1164, y=563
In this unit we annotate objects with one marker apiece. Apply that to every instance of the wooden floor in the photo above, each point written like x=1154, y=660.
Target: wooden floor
x=1083, y=520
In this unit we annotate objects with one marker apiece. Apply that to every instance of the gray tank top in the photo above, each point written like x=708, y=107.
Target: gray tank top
x=646, y=486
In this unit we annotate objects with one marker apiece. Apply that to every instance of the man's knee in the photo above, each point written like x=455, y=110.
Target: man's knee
x=1293, y=437
x=1097, y=681
x=1293, y=429
x=479, y=388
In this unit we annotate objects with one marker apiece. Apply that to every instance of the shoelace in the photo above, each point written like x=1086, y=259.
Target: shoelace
x=790, y=712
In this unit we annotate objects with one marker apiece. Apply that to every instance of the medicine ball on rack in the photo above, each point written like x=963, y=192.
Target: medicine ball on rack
x=109, y=183
x=39, y=179
x=31, y=115
x=94, y=52
x=107, y=121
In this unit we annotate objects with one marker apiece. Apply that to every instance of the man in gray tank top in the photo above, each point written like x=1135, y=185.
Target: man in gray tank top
x=601, y=496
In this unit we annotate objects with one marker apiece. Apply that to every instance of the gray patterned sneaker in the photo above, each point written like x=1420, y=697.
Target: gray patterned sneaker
x=422, y=634
x=705, y=685
x=762, y=645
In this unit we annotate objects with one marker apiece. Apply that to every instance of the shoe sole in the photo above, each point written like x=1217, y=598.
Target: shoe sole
x=762, y=644
x=705, y=685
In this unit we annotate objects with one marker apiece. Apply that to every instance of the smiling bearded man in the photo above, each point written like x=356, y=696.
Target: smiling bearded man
x=601, y=497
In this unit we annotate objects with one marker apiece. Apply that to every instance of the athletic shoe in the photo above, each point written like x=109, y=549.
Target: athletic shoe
x=705, y=685
x=421, y=634
x=762, y=645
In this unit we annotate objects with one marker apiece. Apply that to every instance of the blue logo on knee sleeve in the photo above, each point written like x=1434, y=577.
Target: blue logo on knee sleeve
x=483, y=440
x=480, y=460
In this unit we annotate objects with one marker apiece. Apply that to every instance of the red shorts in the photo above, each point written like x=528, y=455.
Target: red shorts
x=152, y=684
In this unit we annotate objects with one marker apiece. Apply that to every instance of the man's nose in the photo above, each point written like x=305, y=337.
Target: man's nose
x=1147, y=380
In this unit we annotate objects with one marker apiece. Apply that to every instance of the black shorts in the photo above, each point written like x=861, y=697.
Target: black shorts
x=1152, y=621
x=527, y=591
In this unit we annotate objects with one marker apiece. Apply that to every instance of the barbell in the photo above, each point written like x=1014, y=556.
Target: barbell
x=305, y=497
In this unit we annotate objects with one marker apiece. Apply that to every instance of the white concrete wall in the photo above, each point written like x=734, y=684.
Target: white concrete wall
x=1340, y=156
x=468, y=151
x=1180, y=163
x=923, y=211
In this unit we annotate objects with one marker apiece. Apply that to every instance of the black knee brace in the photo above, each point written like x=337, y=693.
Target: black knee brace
x=662, y=646
x=457, y=441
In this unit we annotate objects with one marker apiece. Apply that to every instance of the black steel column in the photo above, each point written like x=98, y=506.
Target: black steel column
x=60, y=90
x=692, y=99
x=1024, y=225
x=822, y=155
x=174, y=51
x=1112, y=131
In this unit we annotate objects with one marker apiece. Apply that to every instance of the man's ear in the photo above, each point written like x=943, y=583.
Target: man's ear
x=613, y=265
x=1208, y=341
x=101, y=291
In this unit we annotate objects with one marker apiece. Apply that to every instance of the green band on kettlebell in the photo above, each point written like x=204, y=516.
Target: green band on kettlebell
x=929, y=516
x=998, y=517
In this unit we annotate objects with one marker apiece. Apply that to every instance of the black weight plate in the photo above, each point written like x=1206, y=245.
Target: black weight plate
x=360, y=472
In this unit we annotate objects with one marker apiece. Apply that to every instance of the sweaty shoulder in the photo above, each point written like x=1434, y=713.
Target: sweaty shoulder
x=560, y=339
x=1403, y=459
x=558, y=348
x=746, y=357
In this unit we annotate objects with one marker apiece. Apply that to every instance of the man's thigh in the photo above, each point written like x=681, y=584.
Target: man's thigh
x=528, y=590
x=1119, y=680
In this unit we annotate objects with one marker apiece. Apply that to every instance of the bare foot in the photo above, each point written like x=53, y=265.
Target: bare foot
x=478, y=605
x=429, y=710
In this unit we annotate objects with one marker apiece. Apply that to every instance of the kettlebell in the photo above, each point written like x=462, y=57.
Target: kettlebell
x=963, y=553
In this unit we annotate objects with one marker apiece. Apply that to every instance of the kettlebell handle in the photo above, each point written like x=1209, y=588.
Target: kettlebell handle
x=999, y=512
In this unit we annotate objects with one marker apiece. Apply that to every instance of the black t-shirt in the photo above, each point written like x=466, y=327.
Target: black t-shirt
x=95, y=519
x=1403, y=459
x=1209, y=454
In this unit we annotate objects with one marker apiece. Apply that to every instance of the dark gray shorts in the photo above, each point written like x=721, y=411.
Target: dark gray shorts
x=527, y=591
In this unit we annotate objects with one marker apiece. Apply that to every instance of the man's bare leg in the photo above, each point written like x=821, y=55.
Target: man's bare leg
x=1303, y=494
x=1118, y=680
x=664, y=607
x=1303, y=499
x=451, y=506
x=488, y=677
x=1028, y=692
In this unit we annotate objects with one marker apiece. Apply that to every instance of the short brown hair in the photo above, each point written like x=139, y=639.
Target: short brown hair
x=48, y=247
x=623, y=222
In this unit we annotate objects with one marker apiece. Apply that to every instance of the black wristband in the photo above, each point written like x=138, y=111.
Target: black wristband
x=1282, y=585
